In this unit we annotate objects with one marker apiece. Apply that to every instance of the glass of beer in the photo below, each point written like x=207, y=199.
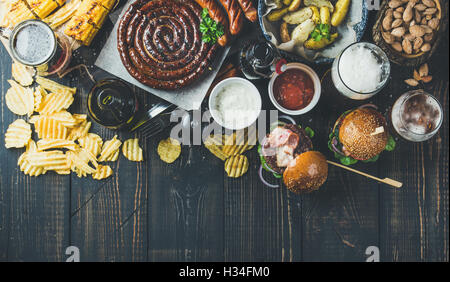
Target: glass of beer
x=360, y=71
x=417, y=116
x=33, y=43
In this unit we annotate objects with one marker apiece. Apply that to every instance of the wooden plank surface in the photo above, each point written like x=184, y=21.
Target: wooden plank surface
x=191, y=211
x=34, y=220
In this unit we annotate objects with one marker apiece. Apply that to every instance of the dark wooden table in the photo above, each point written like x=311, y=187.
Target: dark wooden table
x=191, y=211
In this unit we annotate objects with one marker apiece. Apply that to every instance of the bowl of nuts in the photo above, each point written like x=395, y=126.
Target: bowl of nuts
x=410, y=30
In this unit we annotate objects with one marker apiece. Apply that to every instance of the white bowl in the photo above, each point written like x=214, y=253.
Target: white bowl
x=252, y=95
x=317, y=89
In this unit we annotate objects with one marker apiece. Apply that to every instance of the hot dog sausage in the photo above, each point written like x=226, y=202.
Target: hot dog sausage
x=235, y=15
x=217, y=14
x=249, y=10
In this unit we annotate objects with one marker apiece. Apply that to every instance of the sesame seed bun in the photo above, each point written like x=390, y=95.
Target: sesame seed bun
x=355, y=133
x=306, y=173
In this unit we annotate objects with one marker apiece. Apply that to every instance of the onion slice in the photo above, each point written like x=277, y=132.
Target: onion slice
x=264, y=181
x=333, y=145
x=368, y=106
x=287, y=118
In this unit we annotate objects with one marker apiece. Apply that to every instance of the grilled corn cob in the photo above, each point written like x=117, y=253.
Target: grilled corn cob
x=107, y=4
x=88, y=19
x=42, y=8
x=80, y=29
x=93, y=12
x=63, y=14
x=17, y=12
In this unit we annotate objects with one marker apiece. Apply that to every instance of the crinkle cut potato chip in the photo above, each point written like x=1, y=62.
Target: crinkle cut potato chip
x=103, y=171
x=55, y=102
x=79, y=162
x=214, y=143
x=132, y=151
x=48, y=128
x=39, y=96
x=25, y=165
x=169, y=150
x=236, y=166
x=22, y=74
x=91, y=142
x=20, y=100
x=79, y=131
x=110, y=149
x=50, y=160
x=53, y=86
x=65, y=118
x=18, y=134
x=239, y=142
x=46, y=144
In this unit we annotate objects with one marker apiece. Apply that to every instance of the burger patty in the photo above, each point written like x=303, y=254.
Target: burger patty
x=304, y=145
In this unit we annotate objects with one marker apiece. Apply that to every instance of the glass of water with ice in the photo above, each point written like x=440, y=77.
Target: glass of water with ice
x=360, y=71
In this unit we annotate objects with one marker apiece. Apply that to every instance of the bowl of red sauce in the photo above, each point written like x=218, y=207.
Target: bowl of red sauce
x=296, y=90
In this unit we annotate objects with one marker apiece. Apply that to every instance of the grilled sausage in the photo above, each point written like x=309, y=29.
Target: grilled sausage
x=160, y=43
x=249, y=10
x=235, y=15
x=217, y=14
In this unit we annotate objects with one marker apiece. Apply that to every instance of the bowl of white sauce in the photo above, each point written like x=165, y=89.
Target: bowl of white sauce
x=235, y=103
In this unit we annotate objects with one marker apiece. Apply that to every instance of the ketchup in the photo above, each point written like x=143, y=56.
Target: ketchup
x=293, y=89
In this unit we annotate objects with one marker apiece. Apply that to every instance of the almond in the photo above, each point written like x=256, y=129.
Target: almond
x=395, y=3
x=397, y=46
x=423, y=21
x=397, y=23
x=408, y=14
x=400, y=9
x=388, y=37
x=406, y=46
x=409, y=36
x=417, y=16
x=433, y=23
x=429, y=3
x=427, y=78
x=425, y=47
x=429, y=11
x=399, y=31
x=387, y=23
x=420, y=7
x=428, y=37
x=411, y=82
x=416, y=75
x=416, y=30
x=418, y=41
x=397, y=15
x=423, y=70
x=427, y=29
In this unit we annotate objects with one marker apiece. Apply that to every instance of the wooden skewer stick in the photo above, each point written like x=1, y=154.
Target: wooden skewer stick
x=388, y=181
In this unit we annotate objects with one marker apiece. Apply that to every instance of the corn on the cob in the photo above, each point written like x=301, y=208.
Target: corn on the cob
x=17, y=12
x=93, y=12
x=107, y=4
x=63, y=14
x=42, y=8
x=87, y=21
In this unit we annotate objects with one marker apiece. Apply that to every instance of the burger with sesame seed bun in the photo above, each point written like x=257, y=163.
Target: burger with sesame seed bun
x=306, y=173
x=360, y=135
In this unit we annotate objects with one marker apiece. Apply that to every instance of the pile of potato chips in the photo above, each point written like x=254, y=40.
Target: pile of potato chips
x=230, y=148
x=65, y=143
